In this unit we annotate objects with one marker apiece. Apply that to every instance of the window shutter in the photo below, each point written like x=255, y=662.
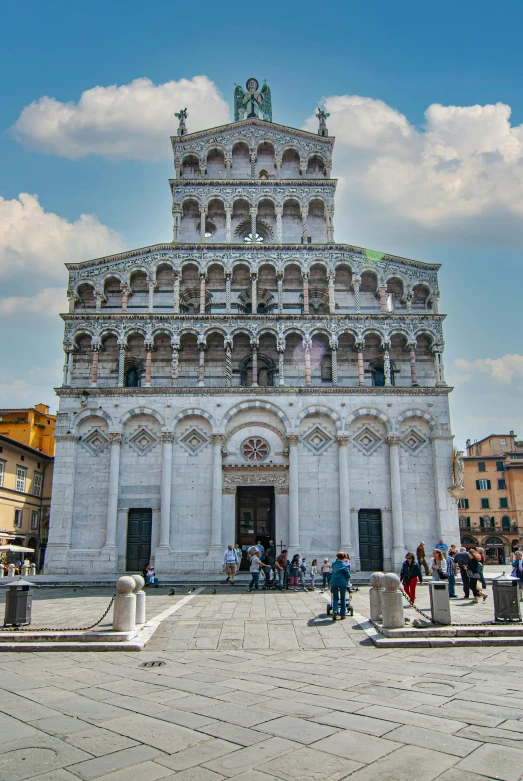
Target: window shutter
x=488, y=484
x=477, y=484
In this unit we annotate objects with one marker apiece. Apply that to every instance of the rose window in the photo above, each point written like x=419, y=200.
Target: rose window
x=255, y=449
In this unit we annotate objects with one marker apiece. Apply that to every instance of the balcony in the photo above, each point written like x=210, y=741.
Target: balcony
x=488, y=529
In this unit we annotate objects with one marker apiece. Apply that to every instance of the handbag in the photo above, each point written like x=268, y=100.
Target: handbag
x=443, y=575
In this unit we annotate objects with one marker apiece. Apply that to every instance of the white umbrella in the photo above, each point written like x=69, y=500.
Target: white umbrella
x=16, y=549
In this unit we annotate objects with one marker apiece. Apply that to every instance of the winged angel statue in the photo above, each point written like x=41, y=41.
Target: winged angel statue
x=251, y=102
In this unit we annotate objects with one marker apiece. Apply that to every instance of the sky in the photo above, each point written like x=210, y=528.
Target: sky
x=426, y=106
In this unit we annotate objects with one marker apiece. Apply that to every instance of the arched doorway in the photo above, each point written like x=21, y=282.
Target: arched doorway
x=494, y=550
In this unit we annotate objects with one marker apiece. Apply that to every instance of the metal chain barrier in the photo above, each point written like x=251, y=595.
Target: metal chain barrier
x=54, y=629
x=430, y=620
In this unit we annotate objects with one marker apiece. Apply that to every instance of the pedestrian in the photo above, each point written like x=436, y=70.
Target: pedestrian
x=230, y=564
x=281, y=569
x=481, y=552
x=261, y=549
x=512, y=554
x=517, y=567
x=474, y=568
x=302, y=572
x=326, y=571
x=452, y=568
x=409, y=576
x=271, y=553
x=422, y=560
x=339, y=582
x=150, y=576
x=461, y=559
x=453, y=550
x=438, y=566
x=294, y=577
x=239, y=554
x=256, y=565
x=442, y=546
x=267, y=571
x=314, y=573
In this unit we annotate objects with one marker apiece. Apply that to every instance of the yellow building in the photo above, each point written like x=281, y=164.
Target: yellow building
x=26, y=477
x=491, y=508
x=33, y=427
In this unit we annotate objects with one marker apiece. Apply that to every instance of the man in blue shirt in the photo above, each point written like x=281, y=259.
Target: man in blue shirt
x=443, y=547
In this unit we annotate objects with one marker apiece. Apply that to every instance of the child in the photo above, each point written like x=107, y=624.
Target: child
x=314, y=572
x=294, y=576
x=326, y=571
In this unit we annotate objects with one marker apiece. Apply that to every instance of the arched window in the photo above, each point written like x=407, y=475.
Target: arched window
x=132, y=378
x=505, y=522
x=378, y=374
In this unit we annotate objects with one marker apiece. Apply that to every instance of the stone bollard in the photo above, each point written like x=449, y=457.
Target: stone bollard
x=124, y=610
x=375, y=592
x=140, y=598
x=2, y=573
x=24, y=570
x=392, y=602
x=32, y=570
x=11, y=571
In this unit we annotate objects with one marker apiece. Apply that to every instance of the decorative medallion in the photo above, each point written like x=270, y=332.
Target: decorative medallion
x=142, y=441
x=317, y=440
x=194, y=441
x=255, y=449
x=413, y=441
x=367, y=440
x=95, y=441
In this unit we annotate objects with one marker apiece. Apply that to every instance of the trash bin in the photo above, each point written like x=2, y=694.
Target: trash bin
x=506, y=598
x=439, y=601
x=18, y=603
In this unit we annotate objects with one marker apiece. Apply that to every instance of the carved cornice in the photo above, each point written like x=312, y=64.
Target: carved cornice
x=276, y=391
x=262, y=474
x=66, y=437
x=257, y=127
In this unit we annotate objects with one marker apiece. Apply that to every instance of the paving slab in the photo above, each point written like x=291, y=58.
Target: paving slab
x=21, y=759
x=407, y=762
x=116, y=760
x=159, y=734
x=495, y=762
x=308, y=764
x=249, y=758
x=427, y=738
x=357, y=723
x=357, y=746
x=191, y=757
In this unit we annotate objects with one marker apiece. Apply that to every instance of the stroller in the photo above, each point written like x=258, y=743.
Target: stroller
x=350, y=609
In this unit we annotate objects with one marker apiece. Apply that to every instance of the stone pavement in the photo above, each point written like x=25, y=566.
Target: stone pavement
x=342, y=710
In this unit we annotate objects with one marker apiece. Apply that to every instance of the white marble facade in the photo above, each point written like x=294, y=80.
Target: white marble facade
x=253, y=351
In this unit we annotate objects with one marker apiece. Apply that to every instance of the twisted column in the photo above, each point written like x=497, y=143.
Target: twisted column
x=228, y=223
x=148, y=361
x=332, y=295
x=121, y=365
x=150, y=296
x=356, y=282
x=334, y=359
x=386, y=367
x=94, y=365
x=166, y=487
x=254, y=292
x=279, y=224
x=294, y=491
x=382, y=290
x=115, y=438
x=413, y=373
x=176, y=292
x=280, y=347
x=203, y=215
x=175, y=363
x=304, y=216
x=228, y=365
x=307, y=352
x=201, y=368
x=253, y=211
x=202, y=292
x=280, y=292
x=305, y=278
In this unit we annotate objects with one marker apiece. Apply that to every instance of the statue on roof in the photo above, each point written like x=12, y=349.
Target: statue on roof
x=182, y=116
x=251, y=102
x=322, y=117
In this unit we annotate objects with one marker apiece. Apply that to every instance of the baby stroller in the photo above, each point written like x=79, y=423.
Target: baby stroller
x=350, y=609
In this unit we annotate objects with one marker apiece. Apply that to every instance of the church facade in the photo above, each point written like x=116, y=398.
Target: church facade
x=251, y=380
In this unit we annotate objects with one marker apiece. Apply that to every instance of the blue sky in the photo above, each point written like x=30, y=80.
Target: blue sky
x=417, y=177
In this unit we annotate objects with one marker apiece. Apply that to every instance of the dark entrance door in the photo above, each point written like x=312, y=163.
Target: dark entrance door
x=139, y=524
x=371, y=540
x=254, y=518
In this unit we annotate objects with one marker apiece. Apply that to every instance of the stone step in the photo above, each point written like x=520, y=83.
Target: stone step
x=34, y=636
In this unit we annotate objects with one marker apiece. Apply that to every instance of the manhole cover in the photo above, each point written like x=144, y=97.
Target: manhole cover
x=156, y=663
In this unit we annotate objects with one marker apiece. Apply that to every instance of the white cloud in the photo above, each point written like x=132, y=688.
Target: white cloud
x=48, y=302
x=462, y=174
x=36, y=385
x=133, y=120
x=503, y=369
x=33, y=240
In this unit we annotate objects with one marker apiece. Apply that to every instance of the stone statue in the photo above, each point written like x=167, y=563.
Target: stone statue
x=322, y=117
x=182, y=116
x=459, y=469
x=252, y=103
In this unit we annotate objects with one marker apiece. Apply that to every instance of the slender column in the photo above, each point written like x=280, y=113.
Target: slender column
x=253, y=157
x=254, y=351
x=177, y=216
x=332, y=295
x=176, y=291
x=303, y=167
x=413, y=374
x=253, y=211
x=329, y=216
x=334, y=360
x=148, y=360
x=121, y=365
x=361, y=372
x=68, y=366
x=408, y=301
x=151, y=295
x=201, y=370
x=383, y=299
x=115, y=439
x=305, y=278
x=254, y=292
x=438, y=360
x=343, y=478
x=280, y=293
x=165, y=500
x=277, y=163
x=356, y=282
x=228, y=365
x=435, y=302
x=398, y=545
x=98, y=297
x=294, y=490
x=203, y=215
x=175, y=359
x=202, y=292
x=94, y=365
x=228, y=167
x=228, y=292
x=228, y=223
x=216, y=509
x=126, y=292
x=307, y=351
x=386, y=366
x=280, y=347
x=72, y=298
x=279, y=224
x=304, y=216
